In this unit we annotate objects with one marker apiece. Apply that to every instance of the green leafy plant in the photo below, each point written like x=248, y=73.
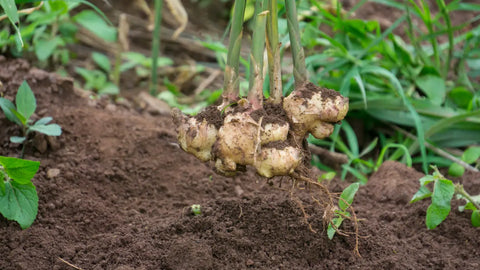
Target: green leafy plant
x=341, y=213
x=441, y=197
x=469, y=156
x=18, y=196
x=21, y=114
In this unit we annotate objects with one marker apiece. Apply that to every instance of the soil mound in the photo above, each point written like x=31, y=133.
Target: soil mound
x=122, y=195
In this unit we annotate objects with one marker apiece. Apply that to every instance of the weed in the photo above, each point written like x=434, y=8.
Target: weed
x=26, y=105
x=443, y=192
x=196, y=209
x=18, y=196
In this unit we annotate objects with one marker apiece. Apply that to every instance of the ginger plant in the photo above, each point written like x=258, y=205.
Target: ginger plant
x=251, y=131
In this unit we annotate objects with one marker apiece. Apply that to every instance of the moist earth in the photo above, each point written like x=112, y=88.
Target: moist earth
x=115, y=190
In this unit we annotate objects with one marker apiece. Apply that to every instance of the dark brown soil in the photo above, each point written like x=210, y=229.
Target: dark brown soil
x=121, y=201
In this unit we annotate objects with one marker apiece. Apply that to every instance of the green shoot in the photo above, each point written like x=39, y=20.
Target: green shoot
x=196, y=209
x=342, y=213
x=21, y=114
x=18, y=196
x=299, y=68
x=443, y=192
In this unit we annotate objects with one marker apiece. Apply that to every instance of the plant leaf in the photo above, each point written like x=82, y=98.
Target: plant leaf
x=19, y=203
x=433, y=86
x=20, y=170
x=44, y=121
x=49, y=130
x=347, y=195
x=422, y=193
x=2, y=183
x=471, y=155
x=440, y=208
x=476, y=218
x=331, y=231
x=8, y=108
x=16, y=139
x=44, y=48
x=102, y=61
x=25, y=100
x=96, y=24
x=456, y=170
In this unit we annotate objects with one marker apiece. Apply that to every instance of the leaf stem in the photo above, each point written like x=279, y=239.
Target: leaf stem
x=156, y=47
x=299, y=68
x=231, y=80
x=460, y=190
x=273, y=53
x=255, y=94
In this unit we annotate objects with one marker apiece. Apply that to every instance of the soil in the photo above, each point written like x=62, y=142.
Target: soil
x=122, y=195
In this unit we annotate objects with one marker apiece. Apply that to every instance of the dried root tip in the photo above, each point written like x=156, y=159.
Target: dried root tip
x=195, y=137
x=273, y=162
x=311, y=109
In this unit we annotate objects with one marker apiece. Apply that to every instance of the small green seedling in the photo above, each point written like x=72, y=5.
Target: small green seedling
x=443, y=192
x=470, y=156
x=18, y=196
x=25, y=107
x=342, y=213
x=196, y=209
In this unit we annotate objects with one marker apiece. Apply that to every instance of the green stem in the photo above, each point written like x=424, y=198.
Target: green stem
x=231, y=80
x=156, y=47
x=299, y=68
x=446, y=17
x=460, y=190
x=273, y=52
x=255, y=94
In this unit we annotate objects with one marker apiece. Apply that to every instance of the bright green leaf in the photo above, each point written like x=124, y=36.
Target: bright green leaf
x=422, y=193
x=347, y=195
x=19, y=203
x=102, y=61
x=109, y=89
x=44, y=121
x=25, y=100
x=471, y=155
x=23, y=120
x=476, y=218
x=331, y=230
x=20, y=170
x=10, y=10
x=7, y=108
x=456, y=170
x=440, y=208
x=2, y=182
x=97, y=25
x=44, y=48
x=426, y=180
x=461, y=96
x=433, y=86
x=49, y=130
x=16, y=139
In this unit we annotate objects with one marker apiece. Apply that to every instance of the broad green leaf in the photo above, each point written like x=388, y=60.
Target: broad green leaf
x=461, y=96
x=25, y=100
x=16, y=139
x=433, y=86
x=20, y=170
x=456, y=170
x=421, y=194
x=49, y=130
x=440, y=208
x=426, y=180
x=44, y=120
x=471, y=155
x=10, y=10
x=96, y=24
x=331, y=231
x=2, y=182
x=19, y=203
x=102, y=61
x=476, y=218
x=21, y=118
x=109, y=89
x=7, y=108
x=44, y=48
x=347, y=195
